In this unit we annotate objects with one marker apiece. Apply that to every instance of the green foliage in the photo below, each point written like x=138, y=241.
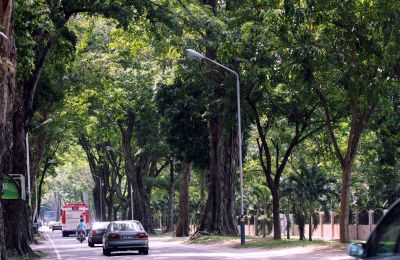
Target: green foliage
x=311, y=188
x=285, y=52
x=72, y=176
x=183, y=108
x=375, y=184
x=31, y=18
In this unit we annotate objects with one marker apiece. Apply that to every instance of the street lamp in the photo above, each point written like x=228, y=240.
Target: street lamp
x=28, y=167
x=199, y=56
x=109, y=148
x=101, y=196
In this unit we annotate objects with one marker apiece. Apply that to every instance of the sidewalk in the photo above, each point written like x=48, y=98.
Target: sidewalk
x=44, y=246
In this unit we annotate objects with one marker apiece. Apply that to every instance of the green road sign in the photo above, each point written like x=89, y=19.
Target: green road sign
x=10, y=189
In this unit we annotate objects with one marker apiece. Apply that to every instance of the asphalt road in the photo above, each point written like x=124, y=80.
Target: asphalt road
x=58, y=247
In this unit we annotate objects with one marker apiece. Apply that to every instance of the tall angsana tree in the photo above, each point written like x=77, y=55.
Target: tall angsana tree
x=219, y=216
x=182, y=106
x=8, y=95
x=40, y=26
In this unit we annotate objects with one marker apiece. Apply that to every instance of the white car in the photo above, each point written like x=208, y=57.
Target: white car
x=51, y=223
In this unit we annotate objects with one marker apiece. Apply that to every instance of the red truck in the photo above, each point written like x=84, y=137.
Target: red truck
x=71, y=215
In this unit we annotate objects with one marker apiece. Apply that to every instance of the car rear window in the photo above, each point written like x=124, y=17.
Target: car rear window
x=100, y=225
x=126, y=226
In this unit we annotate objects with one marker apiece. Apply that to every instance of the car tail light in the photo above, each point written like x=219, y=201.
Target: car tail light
x=63, y=217
x=142, y=236
x=94, y=232
x=113, y=237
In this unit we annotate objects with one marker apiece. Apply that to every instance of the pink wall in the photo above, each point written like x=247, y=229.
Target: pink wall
x=326, y=232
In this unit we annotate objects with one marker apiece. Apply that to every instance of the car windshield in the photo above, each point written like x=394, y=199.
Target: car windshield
x=100, y=225
x=126, y=226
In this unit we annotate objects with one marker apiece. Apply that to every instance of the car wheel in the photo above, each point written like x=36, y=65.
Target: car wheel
x=64, y=234
x=106, y=252
x=90, y=244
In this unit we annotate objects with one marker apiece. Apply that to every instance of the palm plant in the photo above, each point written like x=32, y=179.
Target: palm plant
x=312, y=190
x=290, y=193
x=262, y=199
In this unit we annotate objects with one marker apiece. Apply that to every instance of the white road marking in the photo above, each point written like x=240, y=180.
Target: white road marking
x=54, y=247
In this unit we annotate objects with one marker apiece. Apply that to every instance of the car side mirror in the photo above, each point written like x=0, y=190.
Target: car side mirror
x=355, y=249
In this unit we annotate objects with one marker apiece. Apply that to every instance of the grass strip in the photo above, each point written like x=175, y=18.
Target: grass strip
x=269, y=243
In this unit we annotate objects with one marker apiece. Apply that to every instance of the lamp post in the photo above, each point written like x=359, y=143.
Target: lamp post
x=109, y=148
x=28, y=167
x=199, y=56
x=101, y=196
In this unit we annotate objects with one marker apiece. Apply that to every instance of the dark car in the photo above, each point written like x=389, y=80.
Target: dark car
x=95, y=235
x=125, y=235
x=384, y=241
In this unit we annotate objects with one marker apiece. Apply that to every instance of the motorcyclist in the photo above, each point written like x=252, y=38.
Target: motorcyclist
x=81, y=227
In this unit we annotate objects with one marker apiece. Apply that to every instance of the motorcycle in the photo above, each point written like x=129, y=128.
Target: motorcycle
x=81, y=236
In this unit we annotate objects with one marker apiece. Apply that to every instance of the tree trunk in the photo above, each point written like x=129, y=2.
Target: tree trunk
x=46, y=166
x=124, y=213
x=3, y=250
x=109, y=204
x=98, y=189
x=134, y=168
x=288, y=225
x=256, y=218
x=7, y=100
x=203, y=185
x=17, y=223
x=275, y=212
x=56, y=203
x=358, y=124
x=344, y=204
x=171, y=191
x=38, y=143
x=17, y=215
x=220, y=212
x=300, y=221
x=310, y=224
x=141, y=208
x=97, y=200
x=182, y=228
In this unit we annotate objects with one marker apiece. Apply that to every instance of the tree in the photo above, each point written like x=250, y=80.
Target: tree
x=41, y=25
x=182, y=106
x=220, y=211
x=182, y=226
x=171, y=191
x=8, y=95
x=354, y=72
x=378, y=159
x=123, y=115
